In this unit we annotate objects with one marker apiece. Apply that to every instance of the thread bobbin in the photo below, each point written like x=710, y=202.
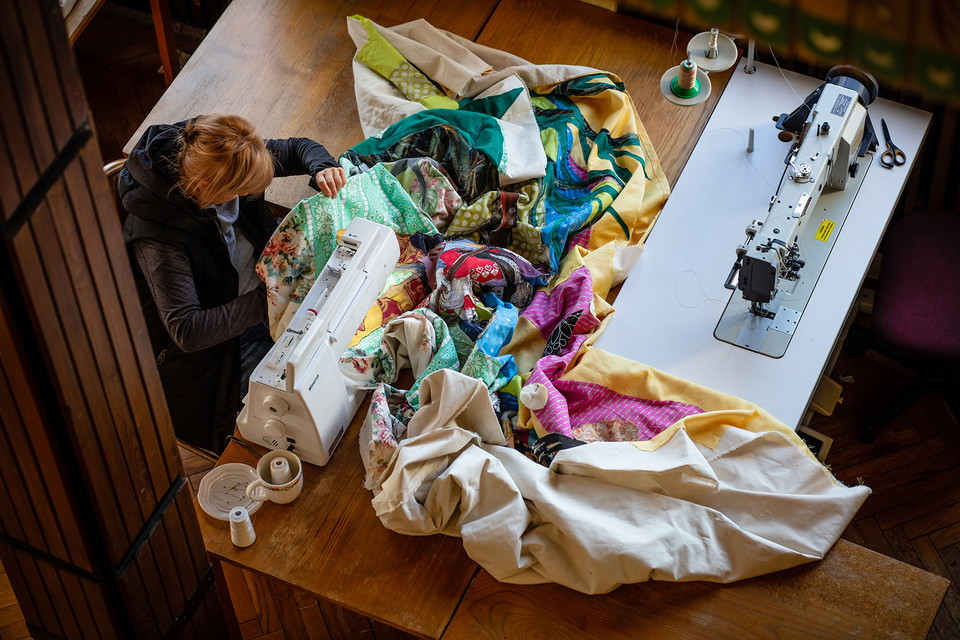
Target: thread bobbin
x=686, y=84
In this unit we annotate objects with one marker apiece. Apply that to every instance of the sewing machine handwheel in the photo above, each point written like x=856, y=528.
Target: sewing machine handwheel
x=863, y=82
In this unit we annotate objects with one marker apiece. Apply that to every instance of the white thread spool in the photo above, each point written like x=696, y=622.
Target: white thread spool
x=241, y=528
x=712, y=51
x=280, y=471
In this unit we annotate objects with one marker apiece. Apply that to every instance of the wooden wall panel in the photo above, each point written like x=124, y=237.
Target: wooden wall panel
x=99, y=538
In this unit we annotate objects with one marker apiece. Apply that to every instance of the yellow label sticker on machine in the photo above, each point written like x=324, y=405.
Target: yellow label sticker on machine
x=826, y=228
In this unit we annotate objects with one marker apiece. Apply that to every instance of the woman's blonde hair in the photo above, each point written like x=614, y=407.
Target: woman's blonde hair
x=222, y=154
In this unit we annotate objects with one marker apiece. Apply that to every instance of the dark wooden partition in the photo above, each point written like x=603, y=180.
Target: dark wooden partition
x=96, y=532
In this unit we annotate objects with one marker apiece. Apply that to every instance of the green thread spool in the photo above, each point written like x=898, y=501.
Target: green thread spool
x=686, y=85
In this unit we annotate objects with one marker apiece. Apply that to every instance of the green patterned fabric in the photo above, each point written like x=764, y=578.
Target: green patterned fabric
x=382, y=57
x=482, y=218
x=307, y=237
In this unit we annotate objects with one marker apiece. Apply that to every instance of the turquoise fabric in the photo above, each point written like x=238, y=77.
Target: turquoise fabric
x=480, y=130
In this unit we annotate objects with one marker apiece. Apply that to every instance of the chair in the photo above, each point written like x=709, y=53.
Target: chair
x=916, y=313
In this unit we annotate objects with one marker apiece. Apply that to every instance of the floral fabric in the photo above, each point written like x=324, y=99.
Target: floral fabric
x=307, y=236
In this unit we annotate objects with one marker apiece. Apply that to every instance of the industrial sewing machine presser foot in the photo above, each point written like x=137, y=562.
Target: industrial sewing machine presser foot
x=779, y=263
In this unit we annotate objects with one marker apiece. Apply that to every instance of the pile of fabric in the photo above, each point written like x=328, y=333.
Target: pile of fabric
x=521, y=194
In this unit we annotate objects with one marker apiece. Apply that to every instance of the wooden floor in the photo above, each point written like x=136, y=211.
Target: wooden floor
x=913, y=467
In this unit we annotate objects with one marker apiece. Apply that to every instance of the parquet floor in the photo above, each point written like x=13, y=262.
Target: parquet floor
x=913, y=467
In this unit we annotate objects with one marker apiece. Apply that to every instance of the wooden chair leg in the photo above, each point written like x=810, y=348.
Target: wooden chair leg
x=163, y=25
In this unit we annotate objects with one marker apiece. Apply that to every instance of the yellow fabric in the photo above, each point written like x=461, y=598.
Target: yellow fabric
x=377, y=53
x=721, y=411
x=643, y=196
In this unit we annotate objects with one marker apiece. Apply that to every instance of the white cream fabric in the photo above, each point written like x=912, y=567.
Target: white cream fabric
x=610, y=513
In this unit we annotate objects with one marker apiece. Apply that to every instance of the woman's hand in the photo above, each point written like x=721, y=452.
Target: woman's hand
x=331, y=180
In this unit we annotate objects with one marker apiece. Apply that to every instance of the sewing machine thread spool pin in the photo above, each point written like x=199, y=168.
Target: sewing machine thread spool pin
x=750, y=67
x=712, y=46
x=750, y=135
x=280, y=471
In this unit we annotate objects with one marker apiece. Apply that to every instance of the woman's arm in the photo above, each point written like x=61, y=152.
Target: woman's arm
x=296, y=156
x=170, y=280
x=299, y=156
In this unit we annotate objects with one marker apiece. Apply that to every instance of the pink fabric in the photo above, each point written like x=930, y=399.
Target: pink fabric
x=572, y=295
x=573, y=404
x=580, y=239
x=590, y=403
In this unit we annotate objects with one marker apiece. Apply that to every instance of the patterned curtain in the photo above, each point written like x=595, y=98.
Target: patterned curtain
x=909, y=45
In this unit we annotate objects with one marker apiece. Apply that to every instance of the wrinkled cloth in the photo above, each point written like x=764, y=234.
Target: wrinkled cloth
x=601, y=176
x=721, y=496
x=406, y=287
x=509, y=219
x=307, y=236
x=471, y=171
x=429, y=187
x=466, y=271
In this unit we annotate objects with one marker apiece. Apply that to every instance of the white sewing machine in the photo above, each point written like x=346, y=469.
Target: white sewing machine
x=782, y=257
x=298, y=399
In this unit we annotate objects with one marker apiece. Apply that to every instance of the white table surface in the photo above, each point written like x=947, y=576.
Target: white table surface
x=668, y=307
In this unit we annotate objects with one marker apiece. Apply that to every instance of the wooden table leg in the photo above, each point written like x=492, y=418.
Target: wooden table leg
x=223, y=592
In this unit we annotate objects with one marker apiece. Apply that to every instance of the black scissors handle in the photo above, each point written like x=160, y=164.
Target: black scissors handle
x=893, y=156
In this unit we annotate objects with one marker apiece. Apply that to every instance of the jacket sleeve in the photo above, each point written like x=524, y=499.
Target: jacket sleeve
x=299, y=156
x=170, y=279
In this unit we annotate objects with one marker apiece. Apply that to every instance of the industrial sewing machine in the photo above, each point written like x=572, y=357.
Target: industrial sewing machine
x=298, y=399
x=782, y=257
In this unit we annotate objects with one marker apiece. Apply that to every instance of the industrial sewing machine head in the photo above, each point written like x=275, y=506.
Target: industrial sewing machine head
x=834, y=133
x=298, y=400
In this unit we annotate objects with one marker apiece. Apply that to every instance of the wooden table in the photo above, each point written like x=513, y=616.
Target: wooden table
x=852, y=592
x=286, y=65
x=330, y=543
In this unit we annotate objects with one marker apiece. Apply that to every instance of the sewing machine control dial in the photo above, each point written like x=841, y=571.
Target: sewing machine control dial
x=274, y=430
x=275, y=404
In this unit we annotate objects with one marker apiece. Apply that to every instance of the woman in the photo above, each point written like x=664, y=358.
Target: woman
x=196, y=225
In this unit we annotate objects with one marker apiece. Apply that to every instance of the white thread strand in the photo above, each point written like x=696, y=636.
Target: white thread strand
x=783, y=74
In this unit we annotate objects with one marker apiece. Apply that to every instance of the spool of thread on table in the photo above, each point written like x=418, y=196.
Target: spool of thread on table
x=686, y=84
x=280, y=471
x=241, y=528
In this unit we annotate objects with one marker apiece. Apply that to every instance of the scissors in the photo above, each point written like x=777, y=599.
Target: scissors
x=893, y=155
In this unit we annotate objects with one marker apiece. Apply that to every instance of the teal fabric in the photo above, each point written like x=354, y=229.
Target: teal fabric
x=482, y=131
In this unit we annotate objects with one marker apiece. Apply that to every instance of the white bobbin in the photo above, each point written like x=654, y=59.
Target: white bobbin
x=280, y=471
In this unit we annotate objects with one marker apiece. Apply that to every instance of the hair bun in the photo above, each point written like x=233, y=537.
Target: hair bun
x=189, y=134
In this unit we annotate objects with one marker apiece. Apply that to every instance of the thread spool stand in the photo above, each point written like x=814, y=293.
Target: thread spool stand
x=688, y=83
x=685, y=84
x=712, y=51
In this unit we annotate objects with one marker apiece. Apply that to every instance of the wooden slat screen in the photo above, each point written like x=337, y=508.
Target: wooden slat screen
x=87, y=451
